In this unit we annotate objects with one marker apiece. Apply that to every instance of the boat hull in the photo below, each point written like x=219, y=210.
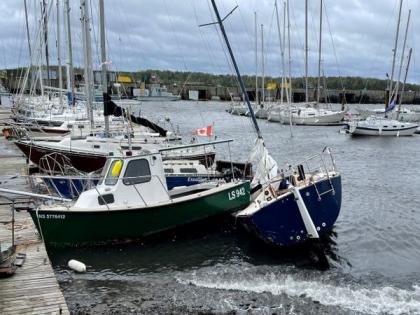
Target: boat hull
x=279, y=223
x=85, y=162
x=334, y=118
x=93, y=161
x=365, y=131
x=76, y=227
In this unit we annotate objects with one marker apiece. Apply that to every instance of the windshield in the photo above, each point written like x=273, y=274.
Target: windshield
x=113, y=172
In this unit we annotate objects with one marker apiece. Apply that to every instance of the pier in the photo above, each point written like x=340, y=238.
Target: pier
x=33, y=288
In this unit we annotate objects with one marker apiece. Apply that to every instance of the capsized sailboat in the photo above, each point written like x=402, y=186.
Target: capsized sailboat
x=296, y=204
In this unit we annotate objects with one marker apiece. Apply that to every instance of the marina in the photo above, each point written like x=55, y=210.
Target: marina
x=251, y=183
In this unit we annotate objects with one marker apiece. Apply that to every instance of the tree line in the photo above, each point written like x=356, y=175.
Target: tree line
x=200, y=78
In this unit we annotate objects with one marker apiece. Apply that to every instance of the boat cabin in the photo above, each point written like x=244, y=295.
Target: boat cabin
x=127, y=182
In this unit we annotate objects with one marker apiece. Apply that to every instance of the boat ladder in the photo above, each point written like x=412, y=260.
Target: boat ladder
x=332, y=189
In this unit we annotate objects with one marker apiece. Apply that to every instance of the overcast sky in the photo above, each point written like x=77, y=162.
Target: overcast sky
x=358, y=36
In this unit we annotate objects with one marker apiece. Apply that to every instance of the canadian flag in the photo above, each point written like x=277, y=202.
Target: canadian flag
x=206, y=131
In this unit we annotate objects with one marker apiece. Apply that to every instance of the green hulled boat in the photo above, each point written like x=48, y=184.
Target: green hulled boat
x=132, y=201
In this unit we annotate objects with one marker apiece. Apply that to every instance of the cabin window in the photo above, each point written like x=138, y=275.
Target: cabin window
x=169, y=170
x=137, y=172
x=113, y=172
x=188, y=170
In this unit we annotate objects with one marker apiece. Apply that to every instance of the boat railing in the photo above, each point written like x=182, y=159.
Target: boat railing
x=318, y=163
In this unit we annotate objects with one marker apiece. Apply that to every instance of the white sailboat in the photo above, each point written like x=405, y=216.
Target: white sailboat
x=311, y=113
x=388, y=125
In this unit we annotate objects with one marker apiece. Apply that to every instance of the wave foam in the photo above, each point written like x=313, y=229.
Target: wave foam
x=387, y=300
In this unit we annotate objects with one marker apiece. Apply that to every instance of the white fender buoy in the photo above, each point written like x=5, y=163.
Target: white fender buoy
x=77, y=265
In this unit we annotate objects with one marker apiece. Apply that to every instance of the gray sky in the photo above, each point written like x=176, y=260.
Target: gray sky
x=358, y=36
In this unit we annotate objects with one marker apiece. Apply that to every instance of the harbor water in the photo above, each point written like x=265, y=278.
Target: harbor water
x=373, y=252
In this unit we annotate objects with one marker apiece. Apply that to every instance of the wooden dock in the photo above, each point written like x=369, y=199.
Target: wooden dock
x=33, y=289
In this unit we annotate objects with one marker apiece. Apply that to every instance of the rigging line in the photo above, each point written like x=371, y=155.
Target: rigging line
x=333, y=46
x=212, y=55
x=381, y=46
x=245, y=25
x=297, y=43
x=175, y=35
x=229, y=62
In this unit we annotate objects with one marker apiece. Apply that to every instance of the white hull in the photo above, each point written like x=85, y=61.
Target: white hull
x=321, y=119
x=381, y=127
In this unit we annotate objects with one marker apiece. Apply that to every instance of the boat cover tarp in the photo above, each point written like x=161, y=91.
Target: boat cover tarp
x=110, y=108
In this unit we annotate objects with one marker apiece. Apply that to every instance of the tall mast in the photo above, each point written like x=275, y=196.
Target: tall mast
x=318, y=94
x=103, y=61
x=289, y=53
x=395, y=52
x=262, y=64
x=405, y=80
x=84, y=7
x=238, y=74
x=29, y=41
x=45, y=28
x=281, y=50
x=70, y=76
x=256, y=59
x=402, y=54
x=60, y=74
x=306, y=52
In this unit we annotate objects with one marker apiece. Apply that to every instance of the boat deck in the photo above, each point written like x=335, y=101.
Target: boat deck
x=33, y=288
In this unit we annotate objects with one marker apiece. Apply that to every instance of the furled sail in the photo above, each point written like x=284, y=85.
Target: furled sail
x=265, y=166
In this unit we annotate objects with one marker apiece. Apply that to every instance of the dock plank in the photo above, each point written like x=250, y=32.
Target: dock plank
x=33, y=289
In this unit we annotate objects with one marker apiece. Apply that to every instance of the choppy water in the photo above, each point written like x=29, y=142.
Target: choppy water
x=374, y=252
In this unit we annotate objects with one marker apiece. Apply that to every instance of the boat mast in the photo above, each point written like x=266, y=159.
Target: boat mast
x=238, y=74
x=290, y=56
x=262, y=64
x=286, y=89
x=394, y=55
x=45, y=28
x=84, y=8
x=103, y=62
x=256, y=59
x=318, y=94
x=402, y=54
x=41, y=58
x=29, y=41
x=281, y=50
x=60, y=74
x=70, y=77
x=405, y=80
x=306, y=52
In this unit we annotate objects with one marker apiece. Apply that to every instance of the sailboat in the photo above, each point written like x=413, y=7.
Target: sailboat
x=383, y=125
x=296, y=204
x=310, y=113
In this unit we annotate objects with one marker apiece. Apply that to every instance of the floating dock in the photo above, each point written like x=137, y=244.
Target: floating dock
x=33, y=288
